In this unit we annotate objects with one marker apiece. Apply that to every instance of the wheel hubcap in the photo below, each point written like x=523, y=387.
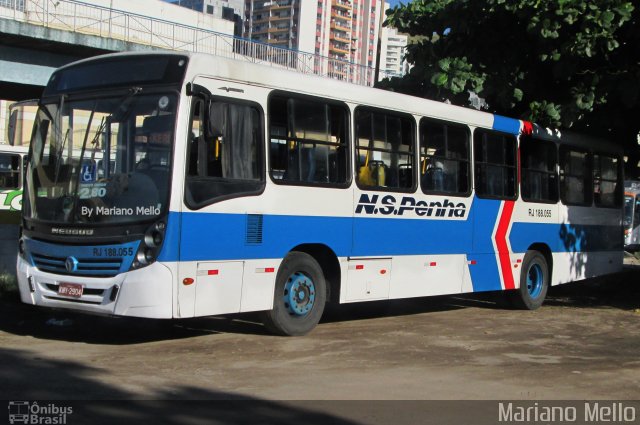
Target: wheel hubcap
x=299, y=294
x=535, y=280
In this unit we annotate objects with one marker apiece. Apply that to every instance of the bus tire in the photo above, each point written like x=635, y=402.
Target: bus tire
x=299, y=298
x=534, y=282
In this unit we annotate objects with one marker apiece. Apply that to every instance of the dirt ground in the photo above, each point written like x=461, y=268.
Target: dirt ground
x=583, y=344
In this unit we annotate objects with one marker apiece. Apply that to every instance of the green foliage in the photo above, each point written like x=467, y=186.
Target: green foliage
x=561, y=63
x=8, y=284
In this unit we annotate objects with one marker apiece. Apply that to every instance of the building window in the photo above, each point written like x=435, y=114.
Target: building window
x=444, y=158
x=385, y=153
x=495, y=164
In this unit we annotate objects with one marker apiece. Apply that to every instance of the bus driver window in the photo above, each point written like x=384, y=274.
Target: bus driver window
x=225, y=153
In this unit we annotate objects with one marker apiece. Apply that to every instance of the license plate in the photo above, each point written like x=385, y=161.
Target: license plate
x=70, y=290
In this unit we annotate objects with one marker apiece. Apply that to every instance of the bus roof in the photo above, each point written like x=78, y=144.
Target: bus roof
x=244, y=72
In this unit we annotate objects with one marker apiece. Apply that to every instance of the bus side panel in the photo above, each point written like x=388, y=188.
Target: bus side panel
x=424, y=275
x=427, y=243
x=590, y=243
x=483, y=261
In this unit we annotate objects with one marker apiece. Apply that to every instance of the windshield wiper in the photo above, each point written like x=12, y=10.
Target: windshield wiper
x=59, y=156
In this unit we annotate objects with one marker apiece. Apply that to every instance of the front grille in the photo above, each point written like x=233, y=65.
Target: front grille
x=86, y=266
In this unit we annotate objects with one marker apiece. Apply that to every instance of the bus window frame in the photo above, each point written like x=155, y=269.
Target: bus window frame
x=636, y=212
x=469, y=161
x=531, y=139
x=413, y=144
x=19, y=170
x=516, y=165
x=588, y=172
x=619, y=192
x=261, y=152
x=348, y=143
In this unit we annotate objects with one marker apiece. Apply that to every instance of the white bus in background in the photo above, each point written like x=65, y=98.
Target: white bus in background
x=235, y=187
x=20, y=121
x=631, y=215
x=12, y=160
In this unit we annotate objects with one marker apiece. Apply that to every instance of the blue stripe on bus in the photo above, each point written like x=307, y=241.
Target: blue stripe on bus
x=507, y=125
x=484, y=273
x=566, y=237
x=222, y=237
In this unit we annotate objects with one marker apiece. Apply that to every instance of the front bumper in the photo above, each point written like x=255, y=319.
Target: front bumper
x=145, y=292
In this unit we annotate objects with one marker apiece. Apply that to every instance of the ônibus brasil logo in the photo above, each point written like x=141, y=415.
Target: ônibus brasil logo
x=389, y=205
x=25, y=412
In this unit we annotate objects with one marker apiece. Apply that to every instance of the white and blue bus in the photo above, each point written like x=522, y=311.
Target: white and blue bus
x=233, y=187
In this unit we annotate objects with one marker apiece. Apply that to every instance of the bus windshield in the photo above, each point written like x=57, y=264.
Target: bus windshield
x=101, y=159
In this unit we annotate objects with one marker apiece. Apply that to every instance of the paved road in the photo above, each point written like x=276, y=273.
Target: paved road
x=582, y=344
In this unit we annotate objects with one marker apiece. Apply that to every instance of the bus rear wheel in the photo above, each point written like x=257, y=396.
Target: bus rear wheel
x=299, y=298
x=534, y=282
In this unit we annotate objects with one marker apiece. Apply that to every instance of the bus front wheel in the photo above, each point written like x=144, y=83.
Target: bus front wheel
x=299, y=298
x=534, y=282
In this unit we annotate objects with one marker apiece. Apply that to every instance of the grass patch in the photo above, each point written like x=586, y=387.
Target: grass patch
x=8, y=284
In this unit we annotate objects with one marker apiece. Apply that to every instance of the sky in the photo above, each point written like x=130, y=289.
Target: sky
x=395, y=2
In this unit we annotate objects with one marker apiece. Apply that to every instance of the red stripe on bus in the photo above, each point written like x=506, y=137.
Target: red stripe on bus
x=501, y=243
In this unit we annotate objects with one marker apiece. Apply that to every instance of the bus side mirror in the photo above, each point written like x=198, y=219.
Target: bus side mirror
x=198, y=91
x=13, y=127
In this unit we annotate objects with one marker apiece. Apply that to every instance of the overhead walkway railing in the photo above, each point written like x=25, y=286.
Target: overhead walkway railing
x=84, y=18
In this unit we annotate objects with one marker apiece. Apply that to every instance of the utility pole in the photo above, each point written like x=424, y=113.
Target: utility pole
x=376, y=74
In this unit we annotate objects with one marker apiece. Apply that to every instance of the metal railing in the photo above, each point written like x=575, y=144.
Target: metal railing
x=78, y=17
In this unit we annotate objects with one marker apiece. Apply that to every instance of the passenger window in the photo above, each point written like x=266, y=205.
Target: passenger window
x=308, y=141
x=495, y=164
x=607, y=187
x=538, y=161
x=9, y=171
x=224, y=153
x=575, y=176
x=444, y=158
x=385, y=154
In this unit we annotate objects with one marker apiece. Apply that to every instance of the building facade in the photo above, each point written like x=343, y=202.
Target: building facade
x=219, y=8
x=393, y=46
x=230, y=10
x=341, y=30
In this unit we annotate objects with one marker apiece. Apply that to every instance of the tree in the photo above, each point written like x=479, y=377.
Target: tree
x=561, y=63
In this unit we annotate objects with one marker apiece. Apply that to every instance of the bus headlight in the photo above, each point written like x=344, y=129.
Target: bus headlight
x=150, y=245
x=22, y=249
